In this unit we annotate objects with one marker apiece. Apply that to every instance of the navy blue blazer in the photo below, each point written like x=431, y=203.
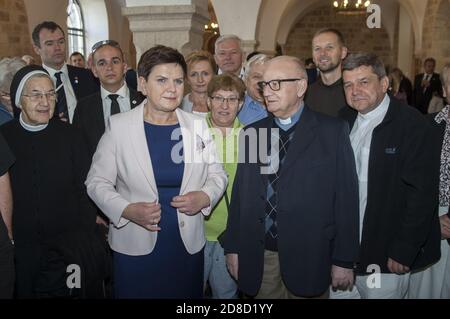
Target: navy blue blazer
x=318, y=221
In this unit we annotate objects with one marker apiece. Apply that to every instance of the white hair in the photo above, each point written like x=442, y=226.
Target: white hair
x=256, y=59
x=226, y=37
x=8, y=68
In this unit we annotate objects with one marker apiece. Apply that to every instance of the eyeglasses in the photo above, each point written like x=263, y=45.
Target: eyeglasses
x=275, y=85
x=38, y=96
x=99, y=44
x=230, y=100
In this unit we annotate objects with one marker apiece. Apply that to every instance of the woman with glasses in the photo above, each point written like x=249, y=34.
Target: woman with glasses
x=155, y=175
x=201, y=67
x=8, y=67
x=226, y=95
x=54, y=221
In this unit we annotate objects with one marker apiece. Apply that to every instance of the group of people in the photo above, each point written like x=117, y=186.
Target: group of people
x=242, y=185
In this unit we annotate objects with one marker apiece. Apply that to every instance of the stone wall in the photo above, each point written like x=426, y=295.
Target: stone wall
x=15, y=39
x=358, y=37
x=436, y=38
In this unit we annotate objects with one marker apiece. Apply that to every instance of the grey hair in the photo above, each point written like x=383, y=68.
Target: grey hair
x=256, y=59
x=445, y=74
x=356, y=60
x=8, y=68
x=225, y=37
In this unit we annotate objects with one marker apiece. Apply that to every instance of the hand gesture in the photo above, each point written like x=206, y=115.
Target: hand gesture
x=191, y=203
x=147, y=215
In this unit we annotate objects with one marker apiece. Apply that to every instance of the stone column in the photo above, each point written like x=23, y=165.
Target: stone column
x=177, y=26
x=238, y=17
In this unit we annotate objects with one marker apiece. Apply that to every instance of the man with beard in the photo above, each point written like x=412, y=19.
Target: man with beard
x=326, y=95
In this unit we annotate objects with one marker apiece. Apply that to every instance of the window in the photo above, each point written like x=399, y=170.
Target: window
x=75, y=28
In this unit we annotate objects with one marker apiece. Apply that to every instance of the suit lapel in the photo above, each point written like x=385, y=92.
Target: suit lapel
x=140, y=147
x=74, y=80
x=98, y=115
x=262, y=156
x=135, y=98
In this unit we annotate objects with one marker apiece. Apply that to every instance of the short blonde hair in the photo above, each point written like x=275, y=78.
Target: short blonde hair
x=200, y=55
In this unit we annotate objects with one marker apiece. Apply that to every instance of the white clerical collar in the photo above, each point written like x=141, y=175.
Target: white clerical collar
x=122, y=92
x=285, y=121
x=379, y=110
x=29, y=127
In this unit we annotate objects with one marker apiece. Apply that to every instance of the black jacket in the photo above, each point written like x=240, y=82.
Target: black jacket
x=317, y=206
x=422, y=98
x=400, y=221
x=54, y=220
x=89, y=117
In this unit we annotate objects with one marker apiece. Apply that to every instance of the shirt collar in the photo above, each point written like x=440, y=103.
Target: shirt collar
x=52, y=71
x=286, y=124
x=248, y=100
x=380, y=109
x=123, y=92
x=236, y=124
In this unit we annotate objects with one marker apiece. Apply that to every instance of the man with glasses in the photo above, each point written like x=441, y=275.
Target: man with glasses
x=293, y=223
x=71, y=83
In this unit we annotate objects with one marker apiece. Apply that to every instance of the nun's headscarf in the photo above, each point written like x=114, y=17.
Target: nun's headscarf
x=19, y=80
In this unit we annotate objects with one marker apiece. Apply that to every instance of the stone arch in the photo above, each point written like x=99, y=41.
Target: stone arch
x=95, y=14
x=358, y=36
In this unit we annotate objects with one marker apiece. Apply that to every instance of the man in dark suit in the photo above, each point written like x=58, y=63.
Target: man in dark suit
x=293, y=225
x=425, y=85
x=72, y=83
x=399, y=228
x=92, y=113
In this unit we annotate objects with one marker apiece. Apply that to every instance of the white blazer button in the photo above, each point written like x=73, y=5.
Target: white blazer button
x=181, y=224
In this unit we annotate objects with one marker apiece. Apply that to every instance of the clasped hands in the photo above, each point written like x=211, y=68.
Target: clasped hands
x=148, y=215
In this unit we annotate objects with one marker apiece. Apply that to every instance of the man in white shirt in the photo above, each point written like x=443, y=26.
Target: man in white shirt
x=93, y=112
x=398, y=224
x=71, y=83
x=229, y=55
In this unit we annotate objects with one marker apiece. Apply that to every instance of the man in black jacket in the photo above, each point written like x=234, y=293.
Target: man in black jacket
x=72, y=83
x=399, y=229
x=425, y=85
x=115, y=96
x=293, y=222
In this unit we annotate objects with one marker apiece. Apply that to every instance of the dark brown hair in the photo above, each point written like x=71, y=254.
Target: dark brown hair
x=159, y=54
x=50, y=25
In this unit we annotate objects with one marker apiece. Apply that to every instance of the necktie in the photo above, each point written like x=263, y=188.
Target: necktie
x=61, y=105
x=115, y=108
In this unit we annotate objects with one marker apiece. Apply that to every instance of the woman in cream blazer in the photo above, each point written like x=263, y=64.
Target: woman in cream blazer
x=155, y=175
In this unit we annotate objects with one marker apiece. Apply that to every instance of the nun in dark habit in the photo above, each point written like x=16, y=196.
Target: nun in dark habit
x=57, y=251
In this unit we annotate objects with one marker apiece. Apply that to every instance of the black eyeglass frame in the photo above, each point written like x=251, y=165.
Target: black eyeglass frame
x=263, y=84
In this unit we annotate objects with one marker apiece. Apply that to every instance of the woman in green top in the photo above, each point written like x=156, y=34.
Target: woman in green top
x=226, y=96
